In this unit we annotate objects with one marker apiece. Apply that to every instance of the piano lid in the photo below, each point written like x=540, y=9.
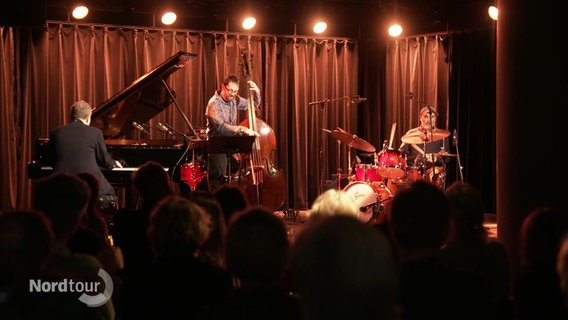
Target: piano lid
x=142, y=100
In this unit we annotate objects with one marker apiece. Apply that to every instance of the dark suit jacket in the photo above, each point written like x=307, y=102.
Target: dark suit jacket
x=76, y=147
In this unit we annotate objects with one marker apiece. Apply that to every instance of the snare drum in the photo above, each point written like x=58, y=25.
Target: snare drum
x=192, y=173
x=369, y=197
x=391, y=164
x=366, y=173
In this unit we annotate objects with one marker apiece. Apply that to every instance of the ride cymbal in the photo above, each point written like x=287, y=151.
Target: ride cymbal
x=419, y=137
x=351, y=140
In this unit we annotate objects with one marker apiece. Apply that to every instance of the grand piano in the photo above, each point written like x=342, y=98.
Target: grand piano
x=125, y=113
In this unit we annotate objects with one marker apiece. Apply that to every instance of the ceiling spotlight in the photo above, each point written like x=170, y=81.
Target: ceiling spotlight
x=395, y=30
x=249, y=23
x=80, y=12
x=320, y=27
x=169, y=18
x=493, y=12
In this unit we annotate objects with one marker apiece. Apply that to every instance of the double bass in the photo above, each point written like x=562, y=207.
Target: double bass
x=262, y=182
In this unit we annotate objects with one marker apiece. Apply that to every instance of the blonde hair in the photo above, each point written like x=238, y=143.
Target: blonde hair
x=334, y=202
x=80, y=110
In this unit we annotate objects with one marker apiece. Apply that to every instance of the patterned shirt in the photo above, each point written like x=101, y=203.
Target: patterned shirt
x=222, y=115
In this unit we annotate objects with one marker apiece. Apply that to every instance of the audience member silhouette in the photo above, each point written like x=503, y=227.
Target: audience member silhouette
x=93, y=234
x=343, y=268
x=152, y=183
x=469, y=248
x=26, y=243
x=177, y=284
x=257, y=258
x=537, y=293
x=213, y=250
x=64, y=198
x=562, y=267
x=418, y=221
x=232, y=199
x=334, y=202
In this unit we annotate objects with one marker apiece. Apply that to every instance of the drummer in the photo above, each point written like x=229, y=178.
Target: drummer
x=420, y=144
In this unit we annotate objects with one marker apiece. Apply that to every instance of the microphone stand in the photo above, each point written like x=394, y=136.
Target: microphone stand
x=460, y=168
x=322, y=104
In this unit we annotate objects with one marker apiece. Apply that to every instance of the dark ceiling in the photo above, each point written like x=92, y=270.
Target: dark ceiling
x=353, y=18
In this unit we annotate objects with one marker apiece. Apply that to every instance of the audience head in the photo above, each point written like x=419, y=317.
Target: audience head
x=63, y=198
x=26, y=241
x=541, y=234
x=562, y=267
x=418, y=219
x=213, y=250
x=466, y=212
x=178, y=227
x=93, y=183
x=232, y=199
x=257, y=246
x=152, y=182
x=343, y=268
x=334, y=202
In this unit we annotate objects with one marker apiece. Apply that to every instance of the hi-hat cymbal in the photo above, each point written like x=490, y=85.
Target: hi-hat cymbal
x=419, y=137
x=444, y=153
x=351, y=140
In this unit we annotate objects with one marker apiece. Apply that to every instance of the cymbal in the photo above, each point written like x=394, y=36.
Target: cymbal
x=351, y=140
x=419, y=137
x=444, y=153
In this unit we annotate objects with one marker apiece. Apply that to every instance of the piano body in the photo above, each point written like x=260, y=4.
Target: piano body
x=119, y=117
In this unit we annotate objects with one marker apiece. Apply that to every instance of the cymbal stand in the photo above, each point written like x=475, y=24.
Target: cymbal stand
x=455, y=141
x=349, y=169
x=321, y=104
x=339, y=170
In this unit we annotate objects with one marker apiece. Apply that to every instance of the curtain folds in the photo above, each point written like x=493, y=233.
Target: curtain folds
x=65, y=62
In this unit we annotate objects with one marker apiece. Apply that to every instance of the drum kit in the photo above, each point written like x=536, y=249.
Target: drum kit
x=374, y=183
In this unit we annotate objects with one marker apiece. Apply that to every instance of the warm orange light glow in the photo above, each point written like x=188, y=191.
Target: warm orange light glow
x=395, y=30
x=169, y=18
x=80, y=12
x=249, y=23
x=493, y=12
x=320, y=27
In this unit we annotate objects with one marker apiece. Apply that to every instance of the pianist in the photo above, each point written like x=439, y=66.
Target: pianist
x=78, y=147
x=221, y=113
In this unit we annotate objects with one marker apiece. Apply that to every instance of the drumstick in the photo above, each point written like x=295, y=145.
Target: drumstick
x=392, y=134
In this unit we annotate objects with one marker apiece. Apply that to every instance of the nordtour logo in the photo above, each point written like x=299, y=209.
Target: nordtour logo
x=91, y=294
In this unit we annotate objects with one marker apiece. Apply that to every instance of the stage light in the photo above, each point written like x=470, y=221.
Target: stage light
x=320, y=27
x=169, y=18
x=493, y=12
x=395, y=30
x=249, y=23
x=80, y=12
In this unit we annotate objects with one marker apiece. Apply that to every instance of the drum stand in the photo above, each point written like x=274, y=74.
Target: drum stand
x=339, y=170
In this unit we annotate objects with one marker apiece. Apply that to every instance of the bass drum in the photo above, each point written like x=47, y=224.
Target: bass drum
x=369, y=197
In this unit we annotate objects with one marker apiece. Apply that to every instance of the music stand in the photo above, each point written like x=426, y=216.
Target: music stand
x=229, y=145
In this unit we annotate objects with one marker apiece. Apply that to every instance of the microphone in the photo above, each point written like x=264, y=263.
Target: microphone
x=433, y=111
x=364, y=208
x=358, y=100
x=139, y=127
x=164, y=128
x=455, y=138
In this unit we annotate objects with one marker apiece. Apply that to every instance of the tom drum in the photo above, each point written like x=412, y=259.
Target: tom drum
x=391, y=164
x=366, y=173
